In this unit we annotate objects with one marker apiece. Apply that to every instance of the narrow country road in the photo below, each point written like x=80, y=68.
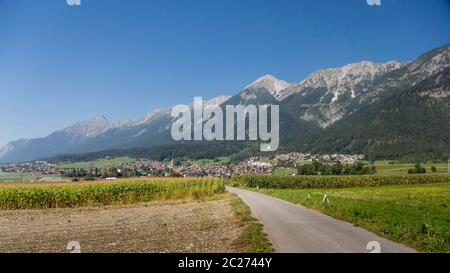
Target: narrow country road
x=295, y=229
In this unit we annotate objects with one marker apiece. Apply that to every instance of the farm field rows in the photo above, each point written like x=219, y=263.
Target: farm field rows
x=129, y=215
x=60, y=195
x=160, y=226
x=341, y=181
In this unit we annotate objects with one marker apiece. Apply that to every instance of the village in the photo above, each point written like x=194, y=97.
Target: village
x=178, y=168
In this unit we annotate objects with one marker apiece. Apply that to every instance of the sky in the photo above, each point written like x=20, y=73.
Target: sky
x=60, y=64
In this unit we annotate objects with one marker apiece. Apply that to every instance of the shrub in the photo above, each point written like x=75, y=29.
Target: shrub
x=418, y=169
x=335, y=169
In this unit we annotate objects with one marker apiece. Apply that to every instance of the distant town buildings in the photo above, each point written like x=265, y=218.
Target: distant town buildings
x=342, y=158
x=187, y=168
x=42, y=167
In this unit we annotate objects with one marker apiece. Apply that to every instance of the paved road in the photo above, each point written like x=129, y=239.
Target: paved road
x=295, y=229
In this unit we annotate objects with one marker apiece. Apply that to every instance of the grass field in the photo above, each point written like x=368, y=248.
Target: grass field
x=416, y=215
x=284, y=171
x=221, y=159
x=252, y=236
x=99, y=163
x=383, y=167
x=15, y=177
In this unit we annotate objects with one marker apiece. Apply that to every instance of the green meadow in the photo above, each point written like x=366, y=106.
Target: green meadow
x=99, y=163
x=220, y=159
x=17, y=177
x=385, y=167
x=415, y=215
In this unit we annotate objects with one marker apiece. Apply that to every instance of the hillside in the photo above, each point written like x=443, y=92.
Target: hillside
x=394, y=110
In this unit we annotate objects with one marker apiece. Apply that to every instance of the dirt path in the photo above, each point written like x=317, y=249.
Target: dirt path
x=154, y=227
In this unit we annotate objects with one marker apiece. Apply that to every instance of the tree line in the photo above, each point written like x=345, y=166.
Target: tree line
x=316, y=168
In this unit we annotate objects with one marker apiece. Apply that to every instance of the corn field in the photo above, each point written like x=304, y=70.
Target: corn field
x=63, y=195
x=323, y=182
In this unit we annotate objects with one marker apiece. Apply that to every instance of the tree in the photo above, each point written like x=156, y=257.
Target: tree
x=418, y=169
x=104, y=172
x=307, y=169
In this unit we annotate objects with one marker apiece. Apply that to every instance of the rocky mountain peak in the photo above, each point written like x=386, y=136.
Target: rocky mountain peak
x=91, y=127
x=270, y=83
x=318, y=102
x=431, y=63
x=217, y=100
x=342, y=80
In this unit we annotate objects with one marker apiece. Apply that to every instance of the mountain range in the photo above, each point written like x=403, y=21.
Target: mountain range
x=393, y=110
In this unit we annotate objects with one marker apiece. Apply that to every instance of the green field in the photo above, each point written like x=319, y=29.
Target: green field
x=416, y=215
x=386, y=167
x=16, y=177
x=252, y=235
x=220, y=159
x=99, y=163
x=284, y=171
x=383, y=167
x=333, y=182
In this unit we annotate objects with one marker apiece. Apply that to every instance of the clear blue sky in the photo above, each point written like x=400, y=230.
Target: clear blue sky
x=122, y=58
